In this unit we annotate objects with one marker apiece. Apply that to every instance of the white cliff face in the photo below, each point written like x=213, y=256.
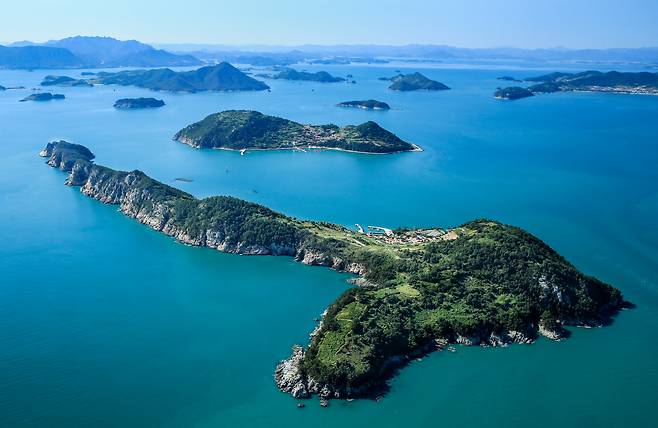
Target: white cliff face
x=315, y=258
x=289, y=376
x=556, y=334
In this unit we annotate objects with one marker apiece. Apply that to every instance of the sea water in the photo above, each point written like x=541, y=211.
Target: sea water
x=106, y=323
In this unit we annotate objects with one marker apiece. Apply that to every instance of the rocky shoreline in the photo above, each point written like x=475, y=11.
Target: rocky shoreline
x=291, y=378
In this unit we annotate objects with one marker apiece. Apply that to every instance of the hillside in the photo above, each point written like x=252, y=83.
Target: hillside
x=415, y=82
x=243, y=129
x=220, y=77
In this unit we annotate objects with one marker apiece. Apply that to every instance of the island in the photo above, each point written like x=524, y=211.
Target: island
x=645, y=83
x=138, y=103
x=43, y=96
x=252, y=130
x=220, y=77
x=416, y=290
x=415, y=82
x=367, y=104
x=510, y=79
x=320, y=76
x=64, y=81
x=512, y=93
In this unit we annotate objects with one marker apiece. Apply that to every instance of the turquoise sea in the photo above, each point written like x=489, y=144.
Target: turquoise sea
x=106, y=323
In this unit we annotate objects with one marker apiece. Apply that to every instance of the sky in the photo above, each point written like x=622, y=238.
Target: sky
x=465, y=23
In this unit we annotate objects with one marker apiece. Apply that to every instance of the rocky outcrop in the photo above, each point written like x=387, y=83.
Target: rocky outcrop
x=312, y=257
x=64, y=155
x=289, y=375
x=552, y=331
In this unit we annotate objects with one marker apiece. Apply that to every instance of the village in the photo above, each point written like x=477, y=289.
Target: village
x=406, y=237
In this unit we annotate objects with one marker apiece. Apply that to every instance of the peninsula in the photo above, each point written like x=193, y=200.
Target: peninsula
x=138, y=103
x=320, y=76
x=43, y=96
x=220, y=77
x=64, y=81
x=596, y=81
x=367, y=104
x=252, y=130
x=415, y=82
x=418, y=289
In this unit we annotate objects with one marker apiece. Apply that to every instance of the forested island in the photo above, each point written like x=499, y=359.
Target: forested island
x=589, y=81
x=43, y=96
x=418, y=290
x=64, y=81
x=512, y=93
x=415, y=82
x=597, y=81
x=245, y=129
x=138, y=103
x=220, y=77
x=510, y=79
x=320, y=76
x=367, y=104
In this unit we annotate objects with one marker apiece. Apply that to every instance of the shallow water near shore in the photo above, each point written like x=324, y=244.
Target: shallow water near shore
x=106, y=323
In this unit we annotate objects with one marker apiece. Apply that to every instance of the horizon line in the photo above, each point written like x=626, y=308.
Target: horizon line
x=356, y=44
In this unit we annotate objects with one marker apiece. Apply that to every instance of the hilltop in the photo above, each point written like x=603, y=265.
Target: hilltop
x=415, y=82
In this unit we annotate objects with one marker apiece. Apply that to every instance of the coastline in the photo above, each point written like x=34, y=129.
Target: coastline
x=416, y=148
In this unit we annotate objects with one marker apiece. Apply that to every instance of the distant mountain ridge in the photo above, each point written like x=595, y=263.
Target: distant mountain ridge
x=38, y=57
x=90, y=52
x=220, y=77
x=291, y=54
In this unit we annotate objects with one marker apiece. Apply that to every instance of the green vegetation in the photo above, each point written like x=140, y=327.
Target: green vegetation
x=320, y=76
x=415, y=82
x=477, y=280
x=220, y=77
x=367, y=104
x=243, y=129
x=492, y=279
x=512, y=93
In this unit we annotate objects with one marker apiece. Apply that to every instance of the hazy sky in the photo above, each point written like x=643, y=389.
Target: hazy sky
x=467, y=23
